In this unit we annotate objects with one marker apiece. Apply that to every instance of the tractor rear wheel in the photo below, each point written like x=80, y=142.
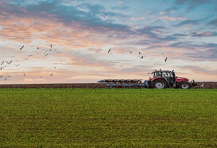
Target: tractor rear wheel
x=184, y=85
x=160, y=84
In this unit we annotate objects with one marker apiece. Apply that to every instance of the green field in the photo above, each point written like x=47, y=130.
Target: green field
x=108, y=118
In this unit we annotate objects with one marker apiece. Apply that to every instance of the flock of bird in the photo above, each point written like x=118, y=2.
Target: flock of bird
x=5, y=64
x=46, y=53
x=97, y=51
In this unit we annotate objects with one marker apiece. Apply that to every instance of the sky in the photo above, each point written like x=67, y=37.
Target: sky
x=67, y=41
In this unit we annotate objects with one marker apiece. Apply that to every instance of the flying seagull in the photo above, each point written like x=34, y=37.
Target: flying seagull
x=51, y=74
x=202, y=85
x=166, y=59
x=142, y=57
x=37, y=47
x=55, y=67
x=22, y=47
x=130, y=52
x=24, y=74
x=30, y=55
x=103, y=16
x=17, y=64
x=139, y=52
x=2, y=62
x=51, y=45
x=109, y=50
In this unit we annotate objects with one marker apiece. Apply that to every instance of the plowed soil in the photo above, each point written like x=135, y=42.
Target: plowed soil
x=206, y=85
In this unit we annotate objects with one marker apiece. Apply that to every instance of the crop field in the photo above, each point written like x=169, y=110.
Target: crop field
x=108, y=118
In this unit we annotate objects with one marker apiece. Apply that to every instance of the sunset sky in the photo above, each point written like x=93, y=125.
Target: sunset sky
x=82, y=31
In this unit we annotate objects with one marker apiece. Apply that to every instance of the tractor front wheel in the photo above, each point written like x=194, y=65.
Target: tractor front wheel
x=160, y=84
x=184, y=85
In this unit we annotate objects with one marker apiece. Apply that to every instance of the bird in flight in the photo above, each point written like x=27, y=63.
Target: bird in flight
x=2, y=62
x=37, y=47
x=103, y=16
x=55, y=67
x=24, y=74
x=139, y=52
x=51, y=74
x=50, y=45
x=109, y=50
x=25, y=59
x=17, y=64
x=131, y=52
x=142, y=57
x=166, y=59
x=202, y=85
x=8, y=62
x=22, y=47
x=30, y=55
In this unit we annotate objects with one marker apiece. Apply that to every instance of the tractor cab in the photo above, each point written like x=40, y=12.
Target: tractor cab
x=166, y=74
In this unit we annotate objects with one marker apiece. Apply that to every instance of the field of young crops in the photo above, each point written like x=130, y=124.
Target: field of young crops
x=108, y=118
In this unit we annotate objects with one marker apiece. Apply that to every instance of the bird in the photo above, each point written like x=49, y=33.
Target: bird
x=30, y=55
x=1, y=76
x=22, y=47
x=109, y=50
x=50, y=49
x=142, y=57
x=8, y=62
x=139, y=52
x=41, y=77
x=46, y=54
x=24, y=74
x=59, y=52
x=73, y=42
x=2, y=62
x=162, y=53
x=9, y=76
x=166, y=59
x=5, y=79
x=51, y=45
x=103, y=16
x=25, y=59
x=202, y=85
x=1, y=68
x=37, y=47
x=55, y=67
x=130, y=52
x=17, y=64
x=51, y=74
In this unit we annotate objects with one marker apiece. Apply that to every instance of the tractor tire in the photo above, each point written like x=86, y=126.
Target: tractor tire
x=184, y=85
x=159, y=83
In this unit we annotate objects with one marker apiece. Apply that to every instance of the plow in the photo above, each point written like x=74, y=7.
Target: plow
x=161, y=79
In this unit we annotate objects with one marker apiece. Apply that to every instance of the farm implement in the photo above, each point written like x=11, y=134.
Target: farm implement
x=161, y=79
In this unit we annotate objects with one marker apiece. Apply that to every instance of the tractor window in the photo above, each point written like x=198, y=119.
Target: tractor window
x=166, y=74
x=157, y=74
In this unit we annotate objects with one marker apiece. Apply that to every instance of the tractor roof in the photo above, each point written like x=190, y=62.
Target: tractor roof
x=163, y=70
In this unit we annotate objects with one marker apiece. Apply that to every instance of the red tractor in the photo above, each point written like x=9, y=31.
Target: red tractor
x=165, y=79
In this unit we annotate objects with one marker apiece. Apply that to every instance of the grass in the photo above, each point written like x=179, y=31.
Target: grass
x=108, y=118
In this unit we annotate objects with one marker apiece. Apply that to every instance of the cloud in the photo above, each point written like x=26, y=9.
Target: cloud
x=137, y=18
x=203, y=34
x=213, y=22
x=193, y=3
x=188, y=22
x=167, y=17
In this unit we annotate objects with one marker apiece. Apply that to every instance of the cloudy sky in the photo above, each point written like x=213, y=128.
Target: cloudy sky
x=82, y=31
